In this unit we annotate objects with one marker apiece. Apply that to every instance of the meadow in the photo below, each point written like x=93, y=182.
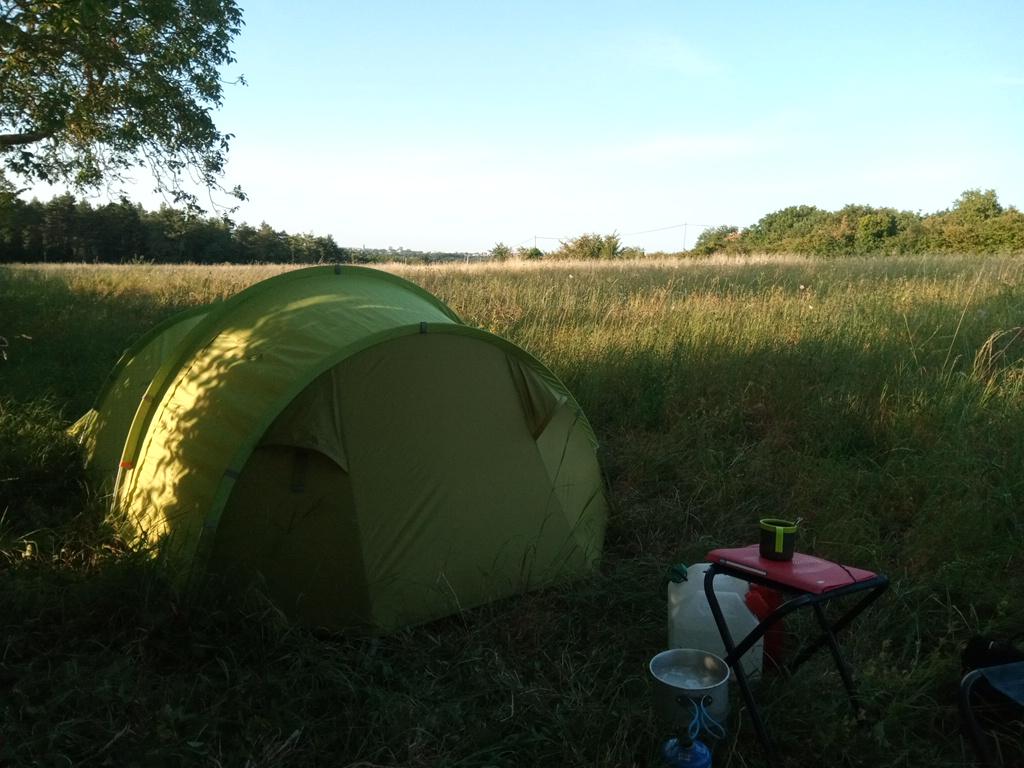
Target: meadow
x=877, y=399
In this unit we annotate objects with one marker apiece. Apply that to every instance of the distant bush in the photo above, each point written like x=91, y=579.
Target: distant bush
x=714, y=240
x=873, y=230
x=500, y=252
x=528, y=254
x=592, y=247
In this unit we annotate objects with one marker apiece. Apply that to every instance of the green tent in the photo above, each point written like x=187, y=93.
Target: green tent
x=339, y=434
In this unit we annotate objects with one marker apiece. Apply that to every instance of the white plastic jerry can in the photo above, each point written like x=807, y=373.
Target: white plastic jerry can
x=691, y=625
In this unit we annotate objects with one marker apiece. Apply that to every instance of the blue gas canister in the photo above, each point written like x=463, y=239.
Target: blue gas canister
x=692, y=755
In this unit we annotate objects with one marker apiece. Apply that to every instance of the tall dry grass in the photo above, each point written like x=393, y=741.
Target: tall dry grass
x=877, y=399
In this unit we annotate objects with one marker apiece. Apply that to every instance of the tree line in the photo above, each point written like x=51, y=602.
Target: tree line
x=976, y=223
x=65, y=229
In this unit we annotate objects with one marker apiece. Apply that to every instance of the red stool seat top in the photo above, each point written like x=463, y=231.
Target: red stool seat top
x=804, y=573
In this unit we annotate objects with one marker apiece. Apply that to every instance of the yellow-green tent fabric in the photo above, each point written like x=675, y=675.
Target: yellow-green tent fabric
x=339, y=434
x=103, y=429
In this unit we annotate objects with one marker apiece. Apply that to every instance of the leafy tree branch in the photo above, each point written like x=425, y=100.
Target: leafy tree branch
x=92, y=89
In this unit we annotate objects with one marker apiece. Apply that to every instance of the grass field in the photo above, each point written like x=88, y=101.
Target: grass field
x=880, y=400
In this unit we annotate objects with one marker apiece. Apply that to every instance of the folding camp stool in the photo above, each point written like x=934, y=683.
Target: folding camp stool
x=1007, y=679
x=808, y=582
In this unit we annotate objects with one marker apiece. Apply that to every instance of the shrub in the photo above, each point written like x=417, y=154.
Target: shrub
x=528, y=254
x=500, y=252
x=714, y=240
x=874, y=229
x=591, y=247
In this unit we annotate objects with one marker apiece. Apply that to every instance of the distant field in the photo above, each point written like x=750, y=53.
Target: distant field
x=880, y=400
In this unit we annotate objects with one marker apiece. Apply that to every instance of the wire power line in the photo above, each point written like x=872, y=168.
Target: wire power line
x=684, y=225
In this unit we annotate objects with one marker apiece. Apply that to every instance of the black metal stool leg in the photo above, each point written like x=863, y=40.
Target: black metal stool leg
x=879, y=585
x=736, y=664
x=833, y=644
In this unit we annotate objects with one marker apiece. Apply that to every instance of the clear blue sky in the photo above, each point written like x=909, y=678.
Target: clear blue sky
x=453, y=125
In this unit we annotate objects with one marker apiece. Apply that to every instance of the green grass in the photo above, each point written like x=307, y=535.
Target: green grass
x=878, y=399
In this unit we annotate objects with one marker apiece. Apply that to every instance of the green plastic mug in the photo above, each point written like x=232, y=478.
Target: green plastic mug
x=778, y=537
